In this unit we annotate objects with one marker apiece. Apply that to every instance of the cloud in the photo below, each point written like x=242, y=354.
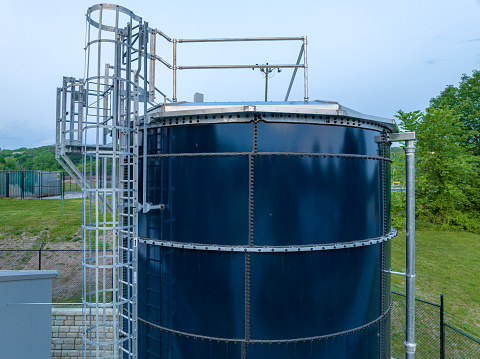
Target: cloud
x=435, y=61
x=22, y=133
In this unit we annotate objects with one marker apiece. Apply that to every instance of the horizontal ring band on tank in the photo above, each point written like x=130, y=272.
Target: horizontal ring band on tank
x=274, y=341
x=270, y=249
x=277, y=154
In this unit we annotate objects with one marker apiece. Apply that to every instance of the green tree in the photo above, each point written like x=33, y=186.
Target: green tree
x=448, y=155
x=464, y=101
x=45, y=161
x=10, y=164
x=39, y=158
x=447, y=167
x=2, y=164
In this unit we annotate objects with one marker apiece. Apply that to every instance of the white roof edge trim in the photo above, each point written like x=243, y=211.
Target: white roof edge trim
x=331, y=109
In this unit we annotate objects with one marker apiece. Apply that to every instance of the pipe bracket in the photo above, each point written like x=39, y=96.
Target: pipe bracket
x=410, y=347
x=147, y=207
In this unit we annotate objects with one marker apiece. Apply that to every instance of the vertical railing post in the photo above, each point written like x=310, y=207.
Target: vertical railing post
x=58, y=123
x=151, y=92
x=174, y=98
x=305, y=66
x=442, y=328
x=410, y=344
x=267, y=70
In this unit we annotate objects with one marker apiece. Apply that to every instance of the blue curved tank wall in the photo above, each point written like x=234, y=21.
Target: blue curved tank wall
x=264, y=185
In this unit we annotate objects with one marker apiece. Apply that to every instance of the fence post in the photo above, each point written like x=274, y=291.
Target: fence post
x=40, y=256
x=7, y=180
x=22, y=185
x=40, y=184
x=442, y=329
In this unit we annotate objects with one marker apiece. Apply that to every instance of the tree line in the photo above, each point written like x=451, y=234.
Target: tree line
x=447, y=167
x=39, y=158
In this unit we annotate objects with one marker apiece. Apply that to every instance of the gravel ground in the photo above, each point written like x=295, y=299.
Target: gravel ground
x=67, y=195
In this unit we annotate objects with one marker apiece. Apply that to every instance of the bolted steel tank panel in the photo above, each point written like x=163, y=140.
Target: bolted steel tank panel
x=274, y=235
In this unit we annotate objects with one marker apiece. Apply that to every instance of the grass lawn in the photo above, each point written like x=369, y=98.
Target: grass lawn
x=448, y=263
x=41, y=219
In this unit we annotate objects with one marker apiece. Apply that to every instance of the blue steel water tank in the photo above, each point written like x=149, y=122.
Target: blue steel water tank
x=275, y=234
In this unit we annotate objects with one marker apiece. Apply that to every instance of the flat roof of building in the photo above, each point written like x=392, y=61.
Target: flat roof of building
x=13, y=275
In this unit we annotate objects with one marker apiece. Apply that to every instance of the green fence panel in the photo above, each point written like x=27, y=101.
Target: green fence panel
x=3, y=183
x=30, y=184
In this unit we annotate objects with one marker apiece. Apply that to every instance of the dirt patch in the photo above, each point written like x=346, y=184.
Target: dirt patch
x=23, y=253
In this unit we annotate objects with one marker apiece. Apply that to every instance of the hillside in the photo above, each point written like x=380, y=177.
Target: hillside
x=38, y=158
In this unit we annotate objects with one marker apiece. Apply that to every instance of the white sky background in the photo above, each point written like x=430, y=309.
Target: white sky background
x=373, y=56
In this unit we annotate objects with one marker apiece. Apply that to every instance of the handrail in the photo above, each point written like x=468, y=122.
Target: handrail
x=174, y=67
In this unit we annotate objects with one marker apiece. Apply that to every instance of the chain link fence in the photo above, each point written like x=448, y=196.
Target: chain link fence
x=67, y=287
x=459, y=344
x=69, y=184
x=436, y=338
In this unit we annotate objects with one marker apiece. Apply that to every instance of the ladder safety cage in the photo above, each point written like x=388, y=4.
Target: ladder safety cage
x=115, y=56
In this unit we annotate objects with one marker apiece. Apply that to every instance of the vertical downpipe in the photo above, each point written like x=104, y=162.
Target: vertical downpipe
x=410, y=344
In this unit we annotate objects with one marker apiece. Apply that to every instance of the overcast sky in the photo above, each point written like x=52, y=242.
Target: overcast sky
x=376, y=57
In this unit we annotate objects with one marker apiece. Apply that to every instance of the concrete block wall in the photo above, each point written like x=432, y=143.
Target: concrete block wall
x=67, y=329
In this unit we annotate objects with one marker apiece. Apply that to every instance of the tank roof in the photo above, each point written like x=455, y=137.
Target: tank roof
x=315, y=107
